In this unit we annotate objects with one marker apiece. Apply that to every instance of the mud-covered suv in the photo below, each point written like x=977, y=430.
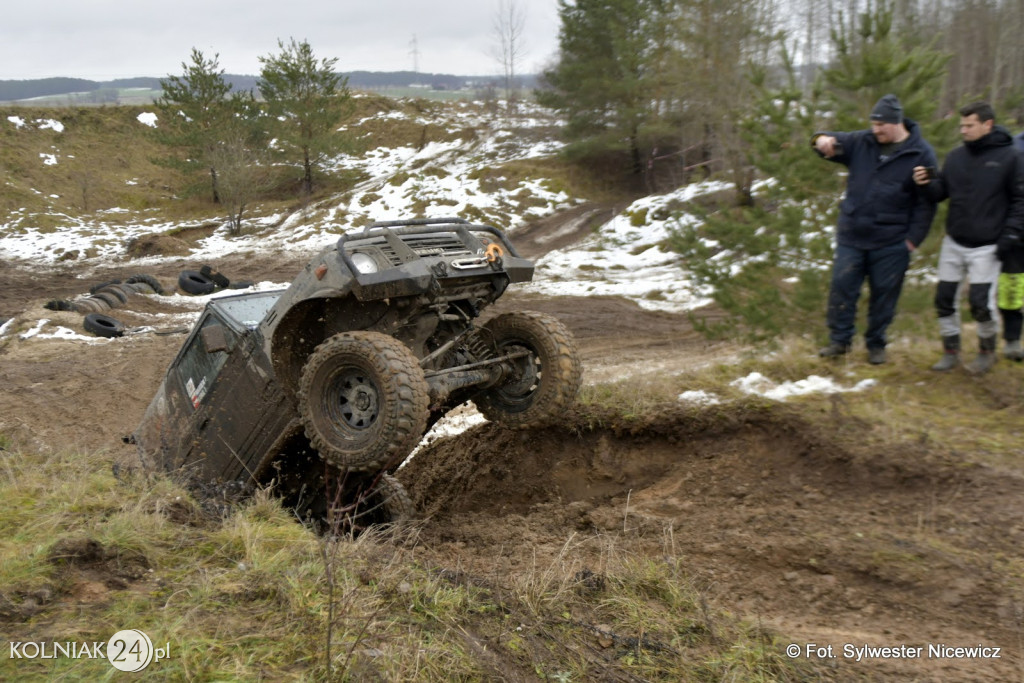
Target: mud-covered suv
x=323, y=388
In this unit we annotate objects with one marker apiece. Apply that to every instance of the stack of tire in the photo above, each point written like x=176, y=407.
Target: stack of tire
x=113, y=295
x=104, y=297
x=206, y=280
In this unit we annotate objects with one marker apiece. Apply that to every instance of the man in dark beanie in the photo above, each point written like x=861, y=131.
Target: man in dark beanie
x=888, y=110
x=882, y=219
x=984, y=182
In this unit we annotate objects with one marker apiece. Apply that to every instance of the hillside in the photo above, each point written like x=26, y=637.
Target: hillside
x=705, y=507
x=61, y=92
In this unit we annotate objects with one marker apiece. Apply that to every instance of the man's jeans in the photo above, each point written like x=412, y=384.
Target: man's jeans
x=884, y=270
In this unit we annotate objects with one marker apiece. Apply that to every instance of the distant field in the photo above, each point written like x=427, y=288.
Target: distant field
x=142, y=96
x=105, y=96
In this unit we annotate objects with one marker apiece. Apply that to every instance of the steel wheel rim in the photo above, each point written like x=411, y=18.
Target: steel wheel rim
x=354, y=399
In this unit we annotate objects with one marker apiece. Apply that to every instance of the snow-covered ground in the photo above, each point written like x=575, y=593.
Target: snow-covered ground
x=624, y=257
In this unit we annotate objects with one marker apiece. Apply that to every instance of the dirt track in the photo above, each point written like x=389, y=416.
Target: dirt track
x=768, y=515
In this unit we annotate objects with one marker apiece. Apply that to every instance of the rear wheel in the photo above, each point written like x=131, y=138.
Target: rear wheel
x=363, y=400
x=543, y=383
x=393, y=501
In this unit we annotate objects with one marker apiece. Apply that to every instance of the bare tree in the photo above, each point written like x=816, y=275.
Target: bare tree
x=243, y=175
x=510, y=46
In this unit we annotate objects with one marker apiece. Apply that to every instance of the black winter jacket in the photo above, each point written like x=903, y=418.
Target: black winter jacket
x=882, y=205
x=984, y=182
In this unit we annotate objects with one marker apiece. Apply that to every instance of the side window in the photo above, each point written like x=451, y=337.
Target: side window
x=199, y=366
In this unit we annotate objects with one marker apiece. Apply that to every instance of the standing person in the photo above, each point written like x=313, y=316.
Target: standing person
x=985, y=187
x=882, y=219
x=1010, y=298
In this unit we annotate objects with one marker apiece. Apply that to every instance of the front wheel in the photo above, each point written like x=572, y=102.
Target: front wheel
x=363, y=400
x=544, y=382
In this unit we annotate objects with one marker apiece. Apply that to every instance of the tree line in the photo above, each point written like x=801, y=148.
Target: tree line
x=235, y=139
x=666, y=83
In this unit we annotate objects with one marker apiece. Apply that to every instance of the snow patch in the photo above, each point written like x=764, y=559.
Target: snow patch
x=699, y=397
x=756, y=383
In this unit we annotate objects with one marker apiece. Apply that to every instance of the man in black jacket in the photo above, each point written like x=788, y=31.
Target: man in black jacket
x=984, y=183
x=882, y=219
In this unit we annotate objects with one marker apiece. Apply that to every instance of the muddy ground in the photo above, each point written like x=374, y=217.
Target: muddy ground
x=773, y=518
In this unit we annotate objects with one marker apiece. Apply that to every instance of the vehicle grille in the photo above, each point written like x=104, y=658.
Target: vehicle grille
x=442, y=244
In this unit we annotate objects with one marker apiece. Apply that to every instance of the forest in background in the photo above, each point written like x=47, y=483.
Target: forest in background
x=680, y=90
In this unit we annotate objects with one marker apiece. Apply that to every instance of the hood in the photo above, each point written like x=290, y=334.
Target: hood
x=999, y=137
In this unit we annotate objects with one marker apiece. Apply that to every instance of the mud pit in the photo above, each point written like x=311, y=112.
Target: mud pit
x=772, y=519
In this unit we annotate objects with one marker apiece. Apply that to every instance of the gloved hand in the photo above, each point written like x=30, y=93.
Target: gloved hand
x=1007, y=242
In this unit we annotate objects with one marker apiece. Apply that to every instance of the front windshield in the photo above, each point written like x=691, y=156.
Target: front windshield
x=248, y=309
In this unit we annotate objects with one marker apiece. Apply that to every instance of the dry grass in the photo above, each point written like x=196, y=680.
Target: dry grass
x=256, y=595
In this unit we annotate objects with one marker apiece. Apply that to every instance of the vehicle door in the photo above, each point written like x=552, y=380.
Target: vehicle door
x=225, y=391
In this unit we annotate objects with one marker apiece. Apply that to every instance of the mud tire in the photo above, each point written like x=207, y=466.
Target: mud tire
x=363, y=400
x=545, y=383
x=103, y=325
x=394, y=499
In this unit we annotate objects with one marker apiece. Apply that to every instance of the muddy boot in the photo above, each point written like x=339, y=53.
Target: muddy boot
x=951, y=354
x=834, y=350
x=1013, y=350
x=986, y=356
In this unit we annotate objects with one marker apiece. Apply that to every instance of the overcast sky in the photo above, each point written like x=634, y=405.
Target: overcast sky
x=107, y=39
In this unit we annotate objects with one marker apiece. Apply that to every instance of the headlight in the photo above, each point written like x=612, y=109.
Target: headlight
x=364, y=263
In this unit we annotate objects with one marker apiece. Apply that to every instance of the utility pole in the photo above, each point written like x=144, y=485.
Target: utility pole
x=414, y=50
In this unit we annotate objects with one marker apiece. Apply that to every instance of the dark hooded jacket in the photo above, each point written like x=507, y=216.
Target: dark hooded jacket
x=882, y=205
x=1013, y=258
x=984, y=182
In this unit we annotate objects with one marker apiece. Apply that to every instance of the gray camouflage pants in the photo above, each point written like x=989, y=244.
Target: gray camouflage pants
x=980, y=267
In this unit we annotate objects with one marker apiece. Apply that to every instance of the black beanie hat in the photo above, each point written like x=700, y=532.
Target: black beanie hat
x=888, y=110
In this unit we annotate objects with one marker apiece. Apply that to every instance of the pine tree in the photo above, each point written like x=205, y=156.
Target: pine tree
x=603, y=83
x=196, y=112
x=767, y=264
x=308, y=100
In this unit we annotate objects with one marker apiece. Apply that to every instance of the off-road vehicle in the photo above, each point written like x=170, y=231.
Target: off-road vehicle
x=324, y=388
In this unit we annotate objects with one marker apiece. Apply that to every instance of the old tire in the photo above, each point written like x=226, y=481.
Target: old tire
x=103, y=325
x=113, y=300
x=116, y=290
x=195, y=283
x=96, y=288
x=543, y=384
x=363, y=400
x=218, y=280
x=145, y=279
